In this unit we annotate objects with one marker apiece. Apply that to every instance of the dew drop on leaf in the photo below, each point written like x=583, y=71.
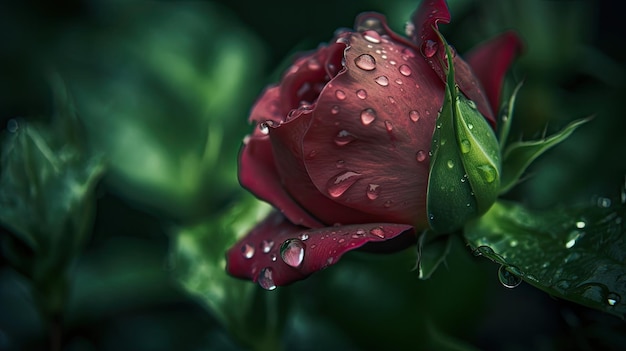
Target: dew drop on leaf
x=508, y=279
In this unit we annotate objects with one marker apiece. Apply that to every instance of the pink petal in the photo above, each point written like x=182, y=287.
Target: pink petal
x=258, y=256
x=490, y=62
x=257, y=173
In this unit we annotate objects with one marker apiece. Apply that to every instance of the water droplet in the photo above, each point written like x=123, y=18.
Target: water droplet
x=429, y=48
x=335, y=109
x=304, y=236
x=311, y=154
x=513, y=243
x=273, y=257
x=392, y=62
x=266, y=245
x=340, y=163
x=613, y=298
x=338, y=184
x=373, y=190
x=398, y=81
x=471, y=104
x=483, y=250
x=292, y=252
x=420, y=156
x=580, y=224
x=344, y=137
x=368, y=116
x=488, y=173
x=450, y=164
x=465, y=146
x=12, y=125
x=378, y=231
x=361, y=94
x=604, y=202
x=340, y=95
x=470, y=126
x=391, y=99
x=371, y=36
x=247, y=251
x=265, y=279
x=414, y=116
x=405, y=70
x=388, y=126
x=383, y=81
x=508, y=279
x=365, y=62
x=408, y=52
x=264, y=128
x=387, y=204
x=572, y=237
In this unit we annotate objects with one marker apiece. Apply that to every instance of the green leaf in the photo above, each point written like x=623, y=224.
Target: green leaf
x=163, y=93
x=578, y=254
x=464, y=173
x=198, y=255
x=432, y=251
x=47, y=186
x=519, y=155
x=506, y=118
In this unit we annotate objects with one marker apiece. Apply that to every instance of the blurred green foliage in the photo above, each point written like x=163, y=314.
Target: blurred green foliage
x=162, y=90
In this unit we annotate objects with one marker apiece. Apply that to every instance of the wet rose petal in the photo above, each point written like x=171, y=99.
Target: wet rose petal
x=257, y=173
x=297, y=252
x=491, y=60
x=376, y=138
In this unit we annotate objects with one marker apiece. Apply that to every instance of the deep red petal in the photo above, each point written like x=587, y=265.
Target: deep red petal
x=267, y=108
x=376, y=165
x=257, y=173
x=426, y=20
x=258, y=257
x=490, y=62
x=287, y=140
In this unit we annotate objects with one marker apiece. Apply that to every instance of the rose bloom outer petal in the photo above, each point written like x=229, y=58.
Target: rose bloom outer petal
x=491, y=60
x=425, y=20
x=323, y=247
x=267, y=108
x=258, y=174
x=371, y=148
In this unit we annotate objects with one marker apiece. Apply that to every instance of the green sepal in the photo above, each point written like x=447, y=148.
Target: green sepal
x=432, y=250
x=464, y=176
x=519, y=155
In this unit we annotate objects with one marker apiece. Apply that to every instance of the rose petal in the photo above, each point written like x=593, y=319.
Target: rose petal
x=290, y=159
x=490, y=62
x=371, y=148
x=426, y=20
x=257, y=256
x=267, y=108
x=257, y=173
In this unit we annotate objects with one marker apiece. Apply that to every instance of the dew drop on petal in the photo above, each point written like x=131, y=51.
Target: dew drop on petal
x=265, y=279
x=373, y=190
x=371, y=36
x=365, y=62
x=388, y=126
x=266, y=245
x=405, y=70
x=304, y=236
x=368, y=116
x=613, y=299
x=429, y=48
x=264, y=128
x=335, y=109
x=391, y=99
x=414, y=115
x=361, y=94
x=383, y=81
x=344, y=137
x=338, y=184
x=340, y=95
x=398, y=81
x=420, y=156
x=387, y=204
x=378, y=231
x=340, y=163
x=292, y=252
x=247, y=251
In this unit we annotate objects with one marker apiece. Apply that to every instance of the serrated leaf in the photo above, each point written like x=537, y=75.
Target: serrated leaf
x=578, y=254
x=519, y=155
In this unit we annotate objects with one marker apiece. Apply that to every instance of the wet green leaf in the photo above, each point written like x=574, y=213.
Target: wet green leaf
x=578, y=254
x=519, y=155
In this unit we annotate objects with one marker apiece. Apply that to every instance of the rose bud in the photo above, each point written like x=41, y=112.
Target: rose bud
x=341, y=145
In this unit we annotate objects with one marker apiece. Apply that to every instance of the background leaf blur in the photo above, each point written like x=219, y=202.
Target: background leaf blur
x=163, y=90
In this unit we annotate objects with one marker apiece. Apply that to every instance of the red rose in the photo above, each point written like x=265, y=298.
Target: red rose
x=342, y=144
